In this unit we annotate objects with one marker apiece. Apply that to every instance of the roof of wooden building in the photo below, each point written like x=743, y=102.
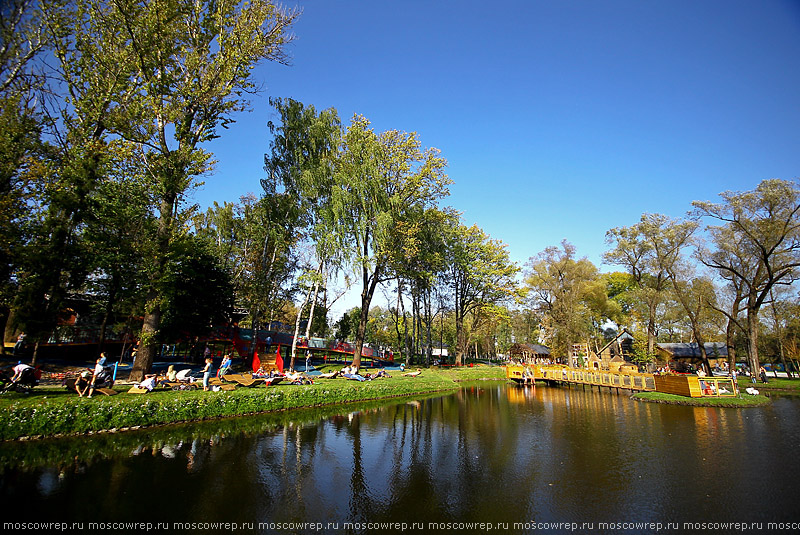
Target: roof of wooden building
x=529, y=348
x=684, y=349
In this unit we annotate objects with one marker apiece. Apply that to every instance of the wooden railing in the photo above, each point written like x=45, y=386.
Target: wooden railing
x=627, y=380
x=683, y=385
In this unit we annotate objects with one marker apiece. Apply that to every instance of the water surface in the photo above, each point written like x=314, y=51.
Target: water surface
x=488, y=453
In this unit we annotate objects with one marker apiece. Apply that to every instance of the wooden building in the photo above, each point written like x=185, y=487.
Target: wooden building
x=681, y=356
x=616, y=353
x=529, y=353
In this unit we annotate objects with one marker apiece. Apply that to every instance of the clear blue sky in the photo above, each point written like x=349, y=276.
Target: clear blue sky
x=559, y=119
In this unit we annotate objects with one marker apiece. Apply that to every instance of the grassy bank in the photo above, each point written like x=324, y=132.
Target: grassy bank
x=782, y=385
x=54, y=411
x=745, y=400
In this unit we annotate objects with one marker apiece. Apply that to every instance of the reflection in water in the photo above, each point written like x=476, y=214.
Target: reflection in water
x=485, y=454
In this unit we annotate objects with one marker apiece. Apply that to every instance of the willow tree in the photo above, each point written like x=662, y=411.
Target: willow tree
x=378, y=179
x=192, y=65
x=300, y=168
x=756, y=246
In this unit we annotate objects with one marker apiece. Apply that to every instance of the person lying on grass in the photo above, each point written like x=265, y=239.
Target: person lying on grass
x=298, y=378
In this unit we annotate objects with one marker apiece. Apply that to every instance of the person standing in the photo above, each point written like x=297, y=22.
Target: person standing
x=207, y=373
x=19, y=345
x=98, y=369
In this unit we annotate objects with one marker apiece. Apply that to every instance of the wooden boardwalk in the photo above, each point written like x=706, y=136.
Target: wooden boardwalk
x=644, y=382
x=683, y=385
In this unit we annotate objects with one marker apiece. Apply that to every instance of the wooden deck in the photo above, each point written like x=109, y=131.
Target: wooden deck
x=682, y=385
x=644, y=382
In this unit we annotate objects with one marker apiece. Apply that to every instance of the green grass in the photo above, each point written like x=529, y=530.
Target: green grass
x=50, y=411
x=773, y=384
x=744, y=400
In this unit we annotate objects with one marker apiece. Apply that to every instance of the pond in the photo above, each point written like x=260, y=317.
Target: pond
x=498, y=456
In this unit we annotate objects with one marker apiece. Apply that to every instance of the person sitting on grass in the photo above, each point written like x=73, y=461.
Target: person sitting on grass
x=82, y=382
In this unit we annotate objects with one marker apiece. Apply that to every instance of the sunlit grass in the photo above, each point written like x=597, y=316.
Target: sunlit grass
x=51, y=411
x=744, y=400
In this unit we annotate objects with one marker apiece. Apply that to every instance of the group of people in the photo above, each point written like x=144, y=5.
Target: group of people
x=88, y=381
x=352, y=372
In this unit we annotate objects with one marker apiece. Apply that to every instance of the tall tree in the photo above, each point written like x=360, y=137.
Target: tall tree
x=302, y=162
x=22, y=37
x=633, y=250
x=193, y=63
x=80, y=105
x=757, y=245
x=481, y=277
x=378, y=178
x=667, y=239
x=561, y=285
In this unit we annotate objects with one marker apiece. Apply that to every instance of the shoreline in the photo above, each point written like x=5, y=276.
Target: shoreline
x=53, y=412
x=712, y=402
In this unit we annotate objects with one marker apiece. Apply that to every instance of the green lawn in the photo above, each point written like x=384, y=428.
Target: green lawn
x=51, y=411
x=744, y=400
x=773, y=384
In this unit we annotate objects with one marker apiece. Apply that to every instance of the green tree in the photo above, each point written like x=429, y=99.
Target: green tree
x=22, y=38
x=481, y=277
x=635, y=251
x=192, y=64
x=378, y=179
x=561, y=286
x=54, y=259
x=302, y=162
x=20, y=173
x=756, y=246
x=198, y=291
x=116, y=240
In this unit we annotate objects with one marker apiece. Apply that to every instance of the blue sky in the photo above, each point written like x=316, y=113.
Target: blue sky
x=559, y=119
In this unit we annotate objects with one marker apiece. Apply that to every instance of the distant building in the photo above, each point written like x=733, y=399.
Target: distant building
x=615, y=353
x=438, y=350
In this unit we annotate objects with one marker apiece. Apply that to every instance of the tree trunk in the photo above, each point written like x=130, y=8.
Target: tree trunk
x=651, y=331
x=107, y=314
x=255, y=318
x=152, y=319
x=752, y=344
x=5, y=313
x=730, y=333
x=366, y=299
x=461, y=343
x=428, y=327
x=297, y=330
x=149, y=340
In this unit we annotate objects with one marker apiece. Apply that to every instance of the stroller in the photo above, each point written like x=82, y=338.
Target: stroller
x=183, y=381
x=104, y=379
x=25, y=383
